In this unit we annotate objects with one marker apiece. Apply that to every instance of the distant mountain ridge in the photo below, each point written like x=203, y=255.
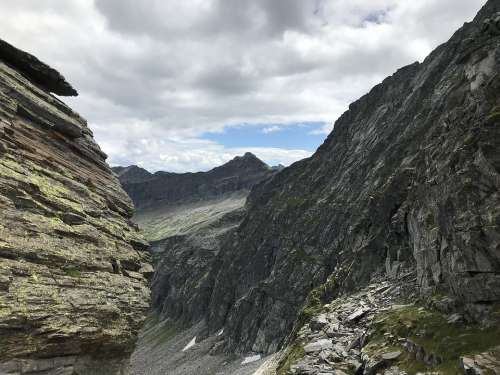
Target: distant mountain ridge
x=149, y=190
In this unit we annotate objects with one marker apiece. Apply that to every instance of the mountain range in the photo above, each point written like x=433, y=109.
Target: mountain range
x=379, y=254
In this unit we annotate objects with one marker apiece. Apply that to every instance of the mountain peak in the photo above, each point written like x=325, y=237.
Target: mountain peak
x=247, y=161
x=132, y=173
x=164, y=188
x=249, y=155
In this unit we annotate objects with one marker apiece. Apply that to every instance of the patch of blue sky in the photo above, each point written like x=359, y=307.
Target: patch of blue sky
x=303, y=136
x=377, y=17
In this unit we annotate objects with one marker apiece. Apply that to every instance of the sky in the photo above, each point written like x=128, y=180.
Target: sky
x=186, y=85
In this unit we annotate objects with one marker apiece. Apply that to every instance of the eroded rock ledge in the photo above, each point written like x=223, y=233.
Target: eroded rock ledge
x=37, y=71
x=73, y=269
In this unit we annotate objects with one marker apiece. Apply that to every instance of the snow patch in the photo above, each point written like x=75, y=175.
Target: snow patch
x=190, y=344
x=253, y=358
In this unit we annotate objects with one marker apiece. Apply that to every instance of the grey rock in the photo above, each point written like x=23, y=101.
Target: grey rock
x=394, y=371
x=319, y=345
x=456, y=319
x=482, y=364
x=303, y=369
x=391, y=356
x=356, y=315
x=318, y=322
x=408, y=176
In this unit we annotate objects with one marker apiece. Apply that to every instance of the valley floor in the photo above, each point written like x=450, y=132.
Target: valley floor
x=383, y=328
x=160, y=351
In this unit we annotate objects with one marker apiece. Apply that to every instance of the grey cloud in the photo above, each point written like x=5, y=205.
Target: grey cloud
x=258, y=18
x=165, y=70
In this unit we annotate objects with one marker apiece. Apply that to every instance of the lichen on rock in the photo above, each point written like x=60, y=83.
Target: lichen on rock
x=73, y=270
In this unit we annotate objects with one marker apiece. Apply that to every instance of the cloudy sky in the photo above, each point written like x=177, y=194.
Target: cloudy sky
x=185, y=85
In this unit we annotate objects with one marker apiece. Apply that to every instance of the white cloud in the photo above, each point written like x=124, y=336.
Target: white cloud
x=272, y=129
x=155, y=75
x=180, y=152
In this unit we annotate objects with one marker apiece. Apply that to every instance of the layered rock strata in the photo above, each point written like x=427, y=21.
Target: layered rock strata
x=73, y=269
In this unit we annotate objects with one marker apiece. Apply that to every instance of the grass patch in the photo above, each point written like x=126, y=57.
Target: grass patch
x=72, y=272
x=293, y=355
x=495, y=116
x=431, y=331
x=314, y=306
x=315, y=301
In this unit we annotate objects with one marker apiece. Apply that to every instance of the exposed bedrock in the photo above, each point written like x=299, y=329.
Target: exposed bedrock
x=73, y=269
x=408, y=179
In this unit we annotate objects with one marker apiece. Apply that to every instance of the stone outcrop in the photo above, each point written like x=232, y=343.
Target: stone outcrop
x=385, y=328
x=36, y=71
x=73, y=269
x=408, y=179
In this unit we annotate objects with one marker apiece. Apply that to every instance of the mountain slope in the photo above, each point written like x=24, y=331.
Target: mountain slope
x=408, y=180
x=186, y=216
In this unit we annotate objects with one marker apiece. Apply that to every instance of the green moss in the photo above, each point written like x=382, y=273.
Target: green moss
x=313, y=306
x=494, y=116
x=292, y=356
x=72, y=272
x=51, y=188
x=55, y=191
x=431, y=331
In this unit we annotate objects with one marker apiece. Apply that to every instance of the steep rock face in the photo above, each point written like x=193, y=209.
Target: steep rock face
x=181, y=283
x=186, y=216
x=409, y=178
x=73, y=288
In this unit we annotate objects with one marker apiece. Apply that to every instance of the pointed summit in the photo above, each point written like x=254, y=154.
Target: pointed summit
x=132, y=173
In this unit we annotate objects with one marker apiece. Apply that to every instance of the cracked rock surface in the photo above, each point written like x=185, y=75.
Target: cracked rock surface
x=73, y=268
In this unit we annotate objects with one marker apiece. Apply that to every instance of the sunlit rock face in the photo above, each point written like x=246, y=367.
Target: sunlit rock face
x=73, y=270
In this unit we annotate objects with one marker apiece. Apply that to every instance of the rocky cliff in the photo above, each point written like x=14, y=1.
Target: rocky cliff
x=73, y=288
x=407, y=181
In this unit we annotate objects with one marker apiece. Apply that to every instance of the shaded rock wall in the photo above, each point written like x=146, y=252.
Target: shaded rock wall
x=409, y=178
x=186, y=216
x=73, y=288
